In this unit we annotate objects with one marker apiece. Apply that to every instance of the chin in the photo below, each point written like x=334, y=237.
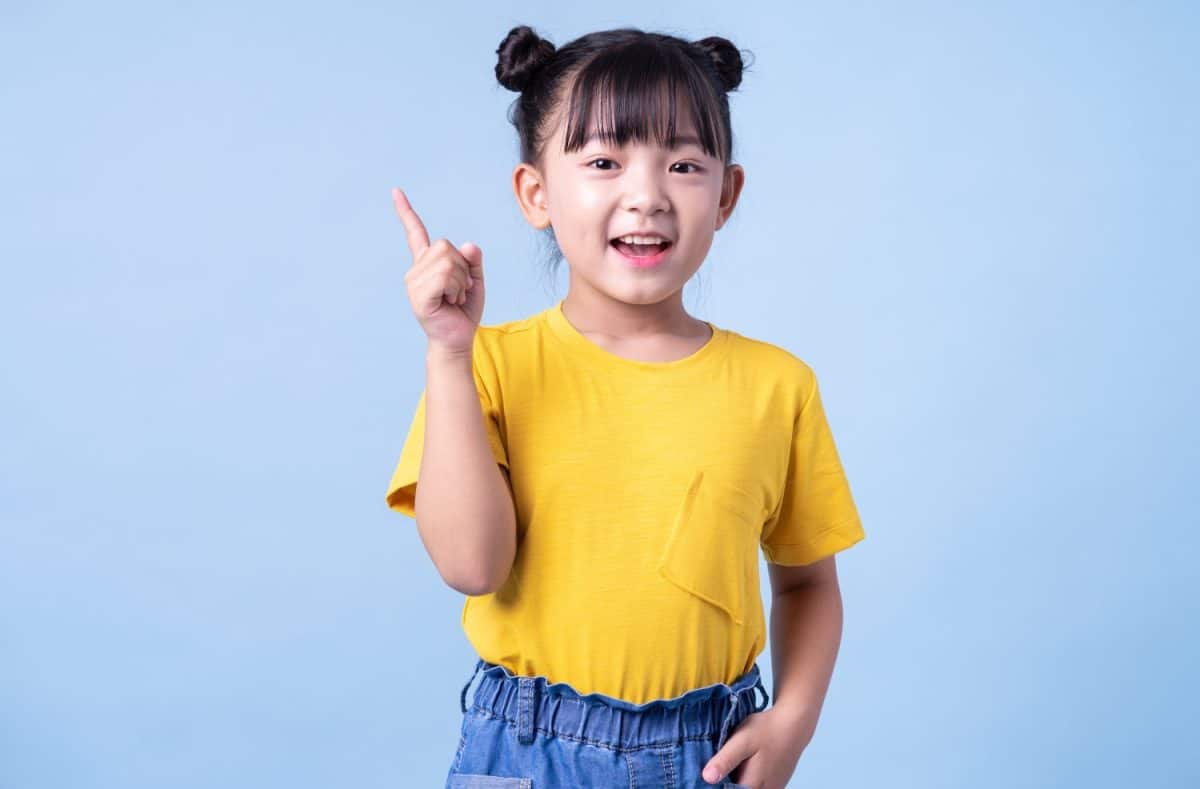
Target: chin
x=642, y=293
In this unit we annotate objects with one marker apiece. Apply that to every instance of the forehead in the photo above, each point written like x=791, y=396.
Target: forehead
x=685, y=129
x=683, y=138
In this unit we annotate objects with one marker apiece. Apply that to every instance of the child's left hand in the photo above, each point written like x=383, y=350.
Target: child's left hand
x=763, y=750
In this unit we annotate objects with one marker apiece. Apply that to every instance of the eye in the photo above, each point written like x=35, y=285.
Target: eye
x=593, y=161
x=697, y=168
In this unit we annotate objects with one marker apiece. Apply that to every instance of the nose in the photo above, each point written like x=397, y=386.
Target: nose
x=644, y=191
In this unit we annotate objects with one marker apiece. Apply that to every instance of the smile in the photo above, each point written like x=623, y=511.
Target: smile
x=642, y=255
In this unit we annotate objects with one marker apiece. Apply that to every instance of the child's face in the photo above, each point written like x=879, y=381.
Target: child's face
x=600, y=192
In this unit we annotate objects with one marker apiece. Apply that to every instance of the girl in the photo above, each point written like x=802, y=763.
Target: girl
x=598, y=478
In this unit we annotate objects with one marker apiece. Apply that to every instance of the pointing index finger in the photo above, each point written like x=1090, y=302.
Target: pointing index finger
x=414, y=229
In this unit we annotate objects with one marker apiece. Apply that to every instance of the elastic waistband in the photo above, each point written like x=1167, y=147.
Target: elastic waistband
x=556, y=708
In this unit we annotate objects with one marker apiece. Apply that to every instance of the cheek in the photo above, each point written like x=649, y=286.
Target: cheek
x=697, y=221
x=584, y=216
x=589, y=202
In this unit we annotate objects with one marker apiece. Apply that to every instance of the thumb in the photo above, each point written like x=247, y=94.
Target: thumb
x=474, y=256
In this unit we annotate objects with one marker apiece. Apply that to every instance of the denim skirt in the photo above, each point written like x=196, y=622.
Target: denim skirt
x=528, y=733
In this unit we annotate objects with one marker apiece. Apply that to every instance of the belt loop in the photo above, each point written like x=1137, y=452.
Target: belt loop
x=526, y=687
x=758, y=684
x=463, y=697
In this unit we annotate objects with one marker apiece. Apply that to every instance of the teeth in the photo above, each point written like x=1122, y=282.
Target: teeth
x=642, y=239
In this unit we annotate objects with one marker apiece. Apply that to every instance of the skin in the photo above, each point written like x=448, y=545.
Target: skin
x=600, y=192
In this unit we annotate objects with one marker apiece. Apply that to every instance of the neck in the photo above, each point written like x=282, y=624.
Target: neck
x=593, y=312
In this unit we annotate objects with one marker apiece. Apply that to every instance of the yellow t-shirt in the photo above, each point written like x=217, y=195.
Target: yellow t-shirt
x=643, y=491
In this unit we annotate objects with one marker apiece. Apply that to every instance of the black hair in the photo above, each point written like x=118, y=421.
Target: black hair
x=633, y=77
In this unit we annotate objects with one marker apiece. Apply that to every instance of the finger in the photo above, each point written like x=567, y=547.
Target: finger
x=725, y=760
x=414, y=228
x=474, y=257
x=434, y=291
x=461, y=264
x=451, y=292
x=441, y=256
x=439, y=280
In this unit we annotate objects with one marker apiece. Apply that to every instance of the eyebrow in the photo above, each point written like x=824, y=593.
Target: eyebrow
x=680, y=141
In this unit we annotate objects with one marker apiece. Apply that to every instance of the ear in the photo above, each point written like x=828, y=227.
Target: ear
x=530, y=189
x=731, y=189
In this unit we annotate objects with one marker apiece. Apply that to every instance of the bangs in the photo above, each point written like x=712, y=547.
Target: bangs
x=632, y=93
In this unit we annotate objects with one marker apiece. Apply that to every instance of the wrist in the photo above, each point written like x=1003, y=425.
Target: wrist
x=798, y=716
x=436, y=354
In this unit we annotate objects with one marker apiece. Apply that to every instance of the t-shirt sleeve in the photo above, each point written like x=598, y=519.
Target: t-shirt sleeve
x=402, y=489
x=816, y=516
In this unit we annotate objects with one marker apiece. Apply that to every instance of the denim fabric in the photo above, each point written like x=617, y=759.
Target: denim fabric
x=528, y=733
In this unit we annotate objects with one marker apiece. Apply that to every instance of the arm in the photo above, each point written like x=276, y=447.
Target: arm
x=806, y=630
x=464, y=507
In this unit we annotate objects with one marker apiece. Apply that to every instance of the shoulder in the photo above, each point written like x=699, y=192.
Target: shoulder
x=779, y=364
x=498, y=345
x=491, y=334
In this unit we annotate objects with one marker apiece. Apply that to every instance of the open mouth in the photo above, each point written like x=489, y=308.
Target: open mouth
x=640, y=250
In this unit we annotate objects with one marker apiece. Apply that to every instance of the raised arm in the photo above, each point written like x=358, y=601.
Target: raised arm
x=464, y=506
x=463, y=502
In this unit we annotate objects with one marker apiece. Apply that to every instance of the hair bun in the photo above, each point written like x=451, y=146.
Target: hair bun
x=725, y=57
x=521, y=54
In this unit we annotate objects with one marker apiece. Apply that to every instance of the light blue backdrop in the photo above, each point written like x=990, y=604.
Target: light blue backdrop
x=977, y=222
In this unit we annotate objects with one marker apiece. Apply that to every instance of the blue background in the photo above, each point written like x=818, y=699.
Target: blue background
x=976, y=222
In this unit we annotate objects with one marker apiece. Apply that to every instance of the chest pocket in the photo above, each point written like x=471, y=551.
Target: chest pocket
x=712, y=547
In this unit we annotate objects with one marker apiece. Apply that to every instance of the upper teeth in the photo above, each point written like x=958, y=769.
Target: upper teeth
x=642, y=239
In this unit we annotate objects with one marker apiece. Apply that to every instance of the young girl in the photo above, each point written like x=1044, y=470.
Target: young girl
x=598, y=478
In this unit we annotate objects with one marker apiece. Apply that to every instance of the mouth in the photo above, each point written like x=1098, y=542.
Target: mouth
x=640, y=250
x=642, y=254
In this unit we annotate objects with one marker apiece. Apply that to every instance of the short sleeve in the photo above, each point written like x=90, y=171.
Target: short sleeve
x=402, y=489
x=816, y=515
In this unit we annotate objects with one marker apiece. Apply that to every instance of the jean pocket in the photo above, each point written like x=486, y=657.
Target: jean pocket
x=469, y=781
x=712, y=547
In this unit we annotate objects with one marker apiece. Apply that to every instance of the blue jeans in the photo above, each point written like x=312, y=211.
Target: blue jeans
x=528, y=733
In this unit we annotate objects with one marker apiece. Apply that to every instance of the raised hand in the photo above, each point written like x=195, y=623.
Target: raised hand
x=445, y=283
